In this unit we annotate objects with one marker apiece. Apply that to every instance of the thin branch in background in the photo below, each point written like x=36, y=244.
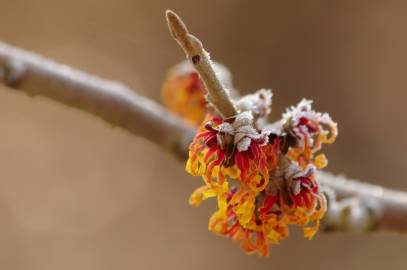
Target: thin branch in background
x=374, y=208
x=363, y=207
x=218, y=96
x=112, y=101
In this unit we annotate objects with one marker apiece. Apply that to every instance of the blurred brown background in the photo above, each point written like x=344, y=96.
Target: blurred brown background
x=77, y=194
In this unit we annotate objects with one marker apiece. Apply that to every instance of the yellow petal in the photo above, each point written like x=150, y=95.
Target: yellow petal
x=274, y=237
x=309, y=232
x=321, y=161
x=201, y=194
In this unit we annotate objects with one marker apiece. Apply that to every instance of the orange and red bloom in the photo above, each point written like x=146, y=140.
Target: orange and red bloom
x=183, y=92
x=262, y=174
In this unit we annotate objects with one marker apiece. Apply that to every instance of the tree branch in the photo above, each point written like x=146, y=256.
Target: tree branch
x=218, y=96
x=372, y=208
x=112, y=101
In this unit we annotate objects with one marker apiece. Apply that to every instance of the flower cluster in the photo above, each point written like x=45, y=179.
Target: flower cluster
x=263, y=175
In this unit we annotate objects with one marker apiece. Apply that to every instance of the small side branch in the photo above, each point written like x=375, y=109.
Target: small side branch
x=218, y=96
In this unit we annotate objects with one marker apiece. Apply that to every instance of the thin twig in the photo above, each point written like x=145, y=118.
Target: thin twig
x=218, y=96
x=120, y=106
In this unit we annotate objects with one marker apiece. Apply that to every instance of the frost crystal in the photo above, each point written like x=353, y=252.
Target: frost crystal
x=243, y=131
x=259, y=103
x=296, y=114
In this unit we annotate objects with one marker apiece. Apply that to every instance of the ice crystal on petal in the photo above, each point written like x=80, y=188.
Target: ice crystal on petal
x=259, y=102
x=243, y=144
x=243, y=119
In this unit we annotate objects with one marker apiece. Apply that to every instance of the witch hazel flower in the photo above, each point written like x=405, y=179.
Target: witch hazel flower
x=307, y=204
x=262, y=174
x=306, y=131
x=230, y=147
x=310, y=129
x=183, y=91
